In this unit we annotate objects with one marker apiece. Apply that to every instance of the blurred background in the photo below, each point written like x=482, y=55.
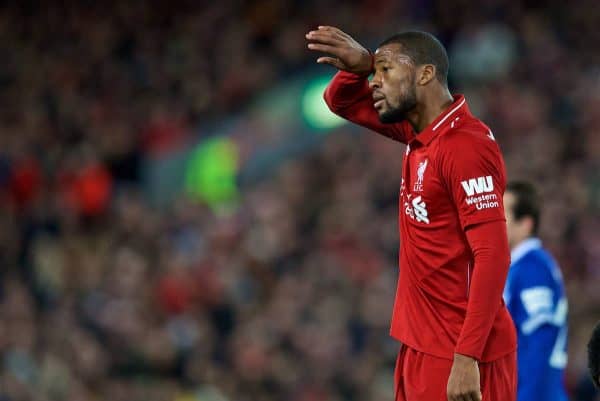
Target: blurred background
x=181, y=218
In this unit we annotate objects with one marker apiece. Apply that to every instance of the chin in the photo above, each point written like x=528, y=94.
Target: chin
x=391, y=116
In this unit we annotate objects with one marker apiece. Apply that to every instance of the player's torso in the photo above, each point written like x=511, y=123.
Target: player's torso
x=445, y=189
x=430, y=231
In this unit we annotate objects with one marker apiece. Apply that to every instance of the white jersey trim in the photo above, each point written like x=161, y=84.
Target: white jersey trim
x=458, y=106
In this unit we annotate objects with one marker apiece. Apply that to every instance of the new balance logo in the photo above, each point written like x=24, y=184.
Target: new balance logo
x=478, y=185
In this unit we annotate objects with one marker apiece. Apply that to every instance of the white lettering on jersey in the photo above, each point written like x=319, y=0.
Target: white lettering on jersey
x=478, y=185
x=484, y=201
x=558, y=358
x=537, y=300
x=539, y=304
x=420, y=210
x=416, y=209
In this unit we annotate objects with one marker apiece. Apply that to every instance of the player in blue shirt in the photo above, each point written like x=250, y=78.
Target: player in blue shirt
x=535, y=297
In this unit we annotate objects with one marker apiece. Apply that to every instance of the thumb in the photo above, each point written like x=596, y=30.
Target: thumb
x=332, y=61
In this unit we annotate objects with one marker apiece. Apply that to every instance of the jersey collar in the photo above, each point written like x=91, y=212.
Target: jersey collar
x=524, y=248
x=457, y=108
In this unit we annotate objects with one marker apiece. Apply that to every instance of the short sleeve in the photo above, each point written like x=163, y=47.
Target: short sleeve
x=473, y=171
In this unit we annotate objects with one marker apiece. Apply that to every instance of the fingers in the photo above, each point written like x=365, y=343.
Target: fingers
x=324, y=37
x=346, y=54
x=324, y=48
x=468, y=396
x=326, y=41
x=475, y=396
x=329, y=33
x=331, y=61
x=332, y=29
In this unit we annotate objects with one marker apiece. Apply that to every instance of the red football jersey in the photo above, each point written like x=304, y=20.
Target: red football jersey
x=453, y=177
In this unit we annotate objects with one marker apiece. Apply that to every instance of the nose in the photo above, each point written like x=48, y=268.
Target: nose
x=375, y=82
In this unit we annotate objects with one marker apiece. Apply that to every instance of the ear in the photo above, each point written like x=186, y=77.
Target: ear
x=426, y=74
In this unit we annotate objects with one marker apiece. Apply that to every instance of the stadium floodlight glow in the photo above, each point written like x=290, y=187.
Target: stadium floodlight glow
x=314, y=110
x=212, y=170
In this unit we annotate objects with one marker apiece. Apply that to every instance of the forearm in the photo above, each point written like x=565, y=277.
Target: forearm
x=345, y=90
x=348, y=95
x=490, y=249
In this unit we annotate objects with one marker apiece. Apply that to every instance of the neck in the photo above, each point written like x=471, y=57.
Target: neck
x=434, y=103
x=519, y=240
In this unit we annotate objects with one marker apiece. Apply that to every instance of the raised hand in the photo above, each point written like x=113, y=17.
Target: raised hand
x=348, y=54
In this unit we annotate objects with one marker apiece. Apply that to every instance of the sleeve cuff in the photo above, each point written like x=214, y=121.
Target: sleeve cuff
x=466, y=351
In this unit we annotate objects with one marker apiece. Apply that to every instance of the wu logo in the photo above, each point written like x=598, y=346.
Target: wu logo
x=418, y=187
x=478, y=185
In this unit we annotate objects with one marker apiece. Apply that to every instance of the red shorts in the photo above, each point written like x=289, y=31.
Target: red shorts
x=422, y=377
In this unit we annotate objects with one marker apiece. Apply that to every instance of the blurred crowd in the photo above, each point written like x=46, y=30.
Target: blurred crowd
x=104, y=296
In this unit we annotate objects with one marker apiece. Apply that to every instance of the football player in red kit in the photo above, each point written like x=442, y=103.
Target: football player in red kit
x=458, y=340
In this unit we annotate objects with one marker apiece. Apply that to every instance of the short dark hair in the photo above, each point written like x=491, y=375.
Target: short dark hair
x=527, y=202
x=593, y=349
x=423, y=48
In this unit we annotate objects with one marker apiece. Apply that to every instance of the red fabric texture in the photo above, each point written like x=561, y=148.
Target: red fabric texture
x=453, y=179
x=422, y=377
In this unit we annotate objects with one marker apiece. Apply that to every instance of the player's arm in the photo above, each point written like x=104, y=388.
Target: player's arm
x=490, y=249
x=489, y=245
x=475, y=181
x=348, y=94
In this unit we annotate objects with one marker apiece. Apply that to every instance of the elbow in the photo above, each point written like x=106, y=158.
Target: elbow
x=328, y=97
x=333, y=102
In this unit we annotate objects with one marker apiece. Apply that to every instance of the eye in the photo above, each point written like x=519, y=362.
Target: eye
x=385, y=69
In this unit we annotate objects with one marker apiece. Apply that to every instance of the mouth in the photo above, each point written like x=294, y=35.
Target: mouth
x=378, y=101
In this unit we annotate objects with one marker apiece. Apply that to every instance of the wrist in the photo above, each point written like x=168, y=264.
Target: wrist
x=367, y=65
x=465, y=359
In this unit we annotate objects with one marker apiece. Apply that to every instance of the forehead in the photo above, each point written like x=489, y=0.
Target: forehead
x=392, y=53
